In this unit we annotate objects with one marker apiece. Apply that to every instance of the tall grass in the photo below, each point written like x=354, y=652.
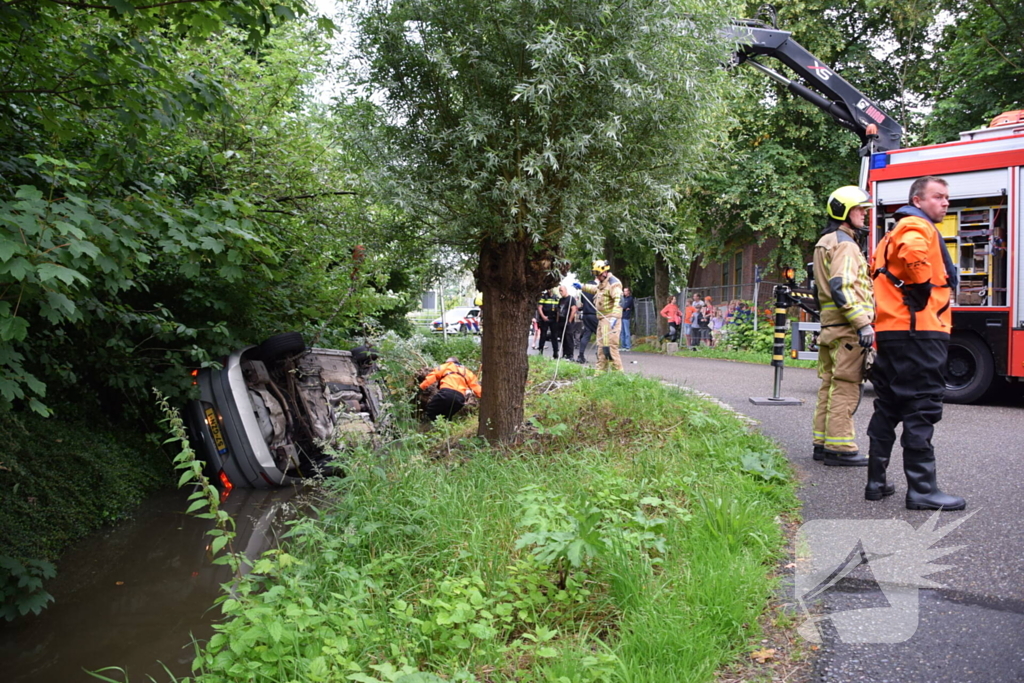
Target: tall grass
x=625, y=540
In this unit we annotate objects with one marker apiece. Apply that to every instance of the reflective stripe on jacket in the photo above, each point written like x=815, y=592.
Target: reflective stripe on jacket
x=453, y=376
x=844, y=283
x=914, y=255
x=549, y=304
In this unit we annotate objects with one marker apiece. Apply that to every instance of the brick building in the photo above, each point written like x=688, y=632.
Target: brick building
x=733, y=278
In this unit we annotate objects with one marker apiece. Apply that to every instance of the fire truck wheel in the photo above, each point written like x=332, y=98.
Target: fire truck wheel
x=969, y=369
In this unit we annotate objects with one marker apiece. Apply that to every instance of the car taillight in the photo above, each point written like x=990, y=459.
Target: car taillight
x=225, y=481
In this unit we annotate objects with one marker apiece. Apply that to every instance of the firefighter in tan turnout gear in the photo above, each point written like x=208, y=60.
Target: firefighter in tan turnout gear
x=608, y=302
x=847, y=312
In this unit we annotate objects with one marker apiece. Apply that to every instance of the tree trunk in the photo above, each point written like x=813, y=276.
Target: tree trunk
x=510, y=281
x=661, y=294
x=614, y=258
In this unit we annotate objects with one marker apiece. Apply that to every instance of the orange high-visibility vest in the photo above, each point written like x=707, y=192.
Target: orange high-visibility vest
x=912, y=286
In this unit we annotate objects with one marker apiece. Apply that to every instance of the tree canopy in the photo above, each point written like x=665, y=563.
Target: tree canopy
x=169, y=190
x=981, y=70
x=511, y=126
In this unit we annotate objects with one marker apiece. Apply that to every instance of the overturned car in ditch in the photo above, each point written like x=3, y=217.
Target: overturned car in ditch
x=276, y=413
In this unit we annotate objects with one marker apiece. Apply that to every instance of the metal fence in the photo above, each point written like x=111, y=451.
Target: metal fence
x=645, y=318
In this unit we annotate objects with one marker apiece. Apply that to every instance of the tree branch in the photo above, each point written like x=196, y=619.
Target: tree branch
x=312, y=195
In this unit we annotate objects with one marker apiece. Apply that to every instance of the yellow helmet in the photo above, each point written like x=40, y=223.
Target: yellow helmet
x=600, y=267
x=845, y=198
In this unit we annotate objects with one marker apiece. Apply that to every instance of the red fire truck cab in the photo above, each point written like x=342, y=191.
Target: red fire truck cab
x=982, y=231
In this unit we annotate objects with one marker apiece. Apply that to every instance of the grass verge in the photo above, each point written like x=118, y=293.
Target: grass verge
x=631, y=537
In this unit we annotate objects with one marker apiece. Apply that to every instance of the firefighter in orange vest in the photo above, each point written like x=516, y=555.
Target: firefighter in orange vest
x=455, y=382
x=914, y=280
x=847, y=311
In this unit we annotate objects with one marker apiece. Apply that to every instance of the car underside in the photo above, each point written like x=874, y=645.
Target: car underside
x=277, y=413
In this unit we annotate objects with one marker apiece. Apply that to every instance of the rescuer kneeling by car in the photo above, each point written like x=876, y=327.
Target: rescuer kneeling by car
x=455, y=381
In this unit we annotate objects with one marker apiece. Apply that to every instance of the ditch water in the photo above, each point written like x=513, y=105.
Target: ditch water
x=135, y=596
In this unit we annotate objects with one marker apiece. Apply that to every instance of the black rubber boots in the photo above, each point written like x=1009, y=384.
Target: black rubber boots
x=840, y=459
x=922, y=490
x=877, y=488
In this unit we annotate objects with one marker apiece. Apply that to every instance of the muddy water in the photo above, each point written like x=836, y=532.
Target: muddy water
x=135, y=596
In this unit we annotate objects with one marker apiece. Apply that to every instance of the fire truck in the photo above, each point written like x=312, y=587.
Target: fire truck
x=982, y=229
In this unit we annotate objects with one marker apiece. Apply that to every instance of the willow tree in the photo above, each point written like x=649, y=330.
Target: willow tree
x=511, y=126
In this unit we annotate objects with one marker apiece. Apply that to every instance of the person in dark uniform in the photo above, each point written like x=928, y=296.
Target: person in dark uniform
x=547, y=318
x=567, y=313
x=589, y=327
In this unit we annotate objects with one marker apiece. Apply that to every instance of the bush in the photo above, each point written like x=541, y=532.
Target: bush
x=465, y=348
x=742, y=336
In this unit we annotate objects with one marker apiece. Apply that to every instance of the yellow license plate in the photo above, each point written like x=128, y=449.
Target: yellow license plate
x=218, y=438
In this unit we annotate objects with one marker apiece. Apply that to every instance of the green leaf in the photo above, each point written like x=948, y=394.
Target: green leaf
x=482, y=631
x=29, y=192
x=38, y=407
x=13, y=329
x=462, y=613
x=50, y=271
x=123, y=6
x=284, y=12
x=78, y=248
x=17, y=268
x=9, y=247
x=219, y=543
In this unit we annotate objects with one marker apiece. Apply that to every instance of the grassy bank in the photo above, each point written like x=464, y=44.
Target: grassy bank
x=630, y=538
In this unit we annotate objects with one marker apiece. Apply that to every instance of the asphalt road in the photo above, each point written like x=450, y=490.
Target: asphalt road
x=972, y=629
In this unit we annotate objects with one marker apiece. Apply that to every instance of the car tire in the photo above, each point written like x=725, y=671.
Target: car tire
x=463, y=329
x=280, y=345
x=969, y=369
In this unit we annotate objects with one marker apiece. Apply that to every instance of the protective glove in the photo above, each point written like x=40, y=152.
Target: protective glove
x=577, y=285
x=866, y=336
x=612, y=321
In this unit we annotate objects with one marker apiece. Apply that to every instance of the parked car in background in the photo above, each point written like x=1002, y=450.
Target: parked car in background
x=459, y=320
x=273, y=414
